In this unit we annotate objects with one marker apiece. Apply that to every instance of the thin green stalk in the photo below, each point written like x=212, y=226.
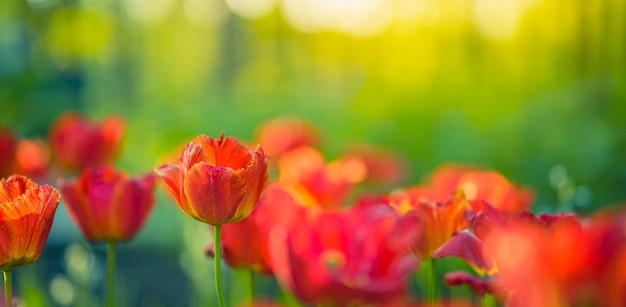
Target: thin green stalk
x=242, y=287
x=218, y=264
x=8, y=288
x=432, y=284
x=247, y=278
x=290, y=300
x=111, y=274
x=487, y=300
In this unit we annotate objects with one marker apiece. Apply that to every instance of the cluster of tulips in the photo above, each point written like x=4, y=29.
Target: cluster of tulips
x=332, y=233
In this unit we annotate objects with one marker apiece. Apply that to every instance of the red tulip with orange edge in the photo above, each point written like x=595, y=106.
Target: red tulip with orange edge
x=78, y=142
x=217, y=181
x=26, y=216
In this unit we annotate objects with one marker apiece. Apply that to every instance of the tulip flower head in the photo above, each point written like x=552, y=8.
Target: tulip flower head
x=216, y=181
x=78, y=143
x=346, y=258
x=281, y=135
x=8, y=145
x=107, y=205
x=26, y=215
x=318, y=183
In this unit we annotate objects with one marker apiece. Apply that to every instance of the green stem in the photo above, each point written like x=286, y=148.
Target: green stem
x=8, y=288
x=248, y=281
x=111, y=274
x=487, y=300
x=432, y=284
x=218, y=264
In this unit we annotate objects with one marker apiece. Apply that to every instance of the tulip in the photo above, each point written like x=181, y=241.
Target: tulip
x=346, y=258
x=217, y=181
x=32, y=157
x=78, y=143
x=281, y=135
x=318, y=183
x=109, y=207
x=478, y=186
x=26, y=215
x=383, y=167
x=529, y=260
x=8, y=145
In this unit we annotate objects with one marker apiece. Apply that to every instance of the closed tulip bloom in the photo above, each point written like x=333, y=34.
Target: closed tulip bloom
x=78, y=143
x=107, y=205
x=216, y=181
x=26, y=215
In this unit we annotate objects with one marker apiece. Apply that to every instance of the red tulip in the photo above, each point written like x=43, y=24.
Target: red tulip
x=346, y=258
x=216, y=181
x=26, y=215
x=528, y=260
x=107, y=205
x=8, y=145
x=78, y=143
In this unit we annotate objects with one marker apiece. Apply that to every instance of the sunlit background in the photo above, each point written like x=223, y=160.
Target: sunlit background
x=535, y=89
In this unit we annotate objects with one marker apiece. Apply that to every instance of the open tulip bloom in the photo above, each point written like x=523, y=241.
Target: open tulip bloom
x=216, y=181
x=26, y=215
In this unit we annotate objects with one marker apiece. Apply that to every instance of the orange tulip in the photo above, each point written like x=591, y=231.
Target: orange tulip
x=317, y=183
x=26, y=215
x=78, y=143
x=384, y=167
x=216, y=181
x=281, y=135
x=441, y=219
x=107, y=205
x=32, y=157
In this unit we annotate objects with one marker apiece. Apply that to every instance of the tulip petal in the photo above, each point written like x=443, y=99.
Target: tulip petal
x=192, y=154
x=134, y=201
x=213, y=193
x=470, y=248
x=479, y=285
x=227, y=152
x=171, y=175
x=79, y=207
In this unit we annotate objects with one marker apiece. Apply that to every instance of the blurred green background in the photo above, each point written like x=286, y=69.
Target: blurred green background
x=535, y=89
